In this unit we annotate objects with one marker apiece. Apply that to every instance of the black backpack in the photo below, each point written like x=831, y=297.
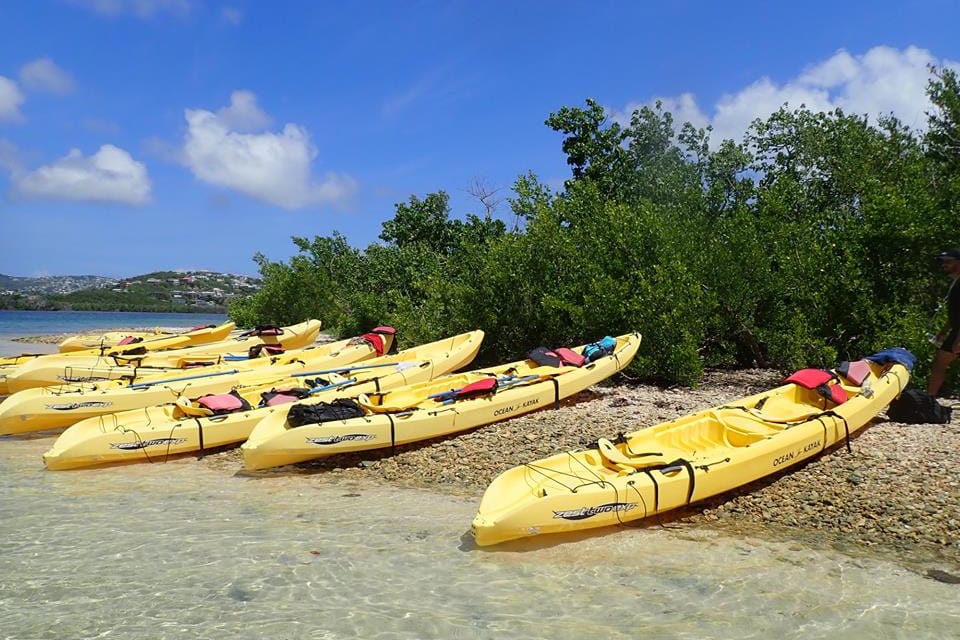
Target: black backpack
x=917, y=407
x=340, y=409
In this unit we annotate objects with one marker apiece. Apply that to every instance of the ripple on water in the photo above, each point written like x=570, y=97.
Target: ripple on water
x=186, y=549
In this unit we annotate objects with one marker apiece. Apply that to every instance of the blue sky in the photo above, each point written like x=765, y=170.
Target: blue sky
x=140, y=135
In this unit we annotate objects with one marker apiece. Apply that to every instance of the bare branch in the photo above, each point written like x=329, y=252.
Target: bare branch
x=486, y=194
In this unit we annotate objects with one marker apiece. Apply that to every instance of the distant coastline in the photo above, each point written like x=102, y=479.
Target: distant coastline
x=157, y=292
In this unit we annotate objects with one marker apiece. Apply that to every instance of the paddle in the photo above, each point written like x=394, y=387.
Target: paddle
x=347, y=369
x=181, y=379
x=332, y=385
x=446, y=397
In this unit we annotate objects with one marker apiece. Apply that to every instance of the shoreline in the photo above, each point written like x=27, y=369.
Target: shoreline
x=895, y=496
x=57, y=338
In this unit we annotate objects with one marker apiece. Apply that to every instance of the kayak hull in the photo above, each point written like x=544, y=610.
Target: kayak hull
x=60, y=406
x=59, y=369
x=412, y=413
x=671, y=465
x=158, y=432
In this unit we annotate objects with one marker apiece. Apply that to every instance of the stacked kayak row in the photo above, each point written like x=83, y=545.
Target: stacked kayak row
x=130, y=361
x=431, y=409
x=350, y=395
x=60, y=406
x=197, y=347
x=194, y=423
x=362, y=394
x=109, y=346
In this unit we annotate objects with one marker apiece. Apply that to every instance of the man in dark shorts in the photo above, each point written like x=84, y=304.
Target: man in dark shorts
x=949, y=336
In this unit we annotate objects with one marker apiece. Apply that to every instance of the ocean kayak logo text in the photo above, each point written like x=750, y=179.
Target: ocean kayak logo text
x=143, y=444
x=588, y=512
x=70, y=406
x=350, y=437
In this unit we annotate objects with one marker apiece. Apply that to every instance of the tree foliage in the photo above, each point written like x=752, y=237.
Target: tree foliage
x=809, y=242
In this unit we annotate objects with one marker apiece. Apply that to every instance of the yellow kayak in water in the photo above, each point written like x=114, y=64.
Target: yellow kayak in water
x=196, y=423
x=87, y=341
x=60, y=368
x=446, y=405
x=59, y=406
x=11, y=365
x=694, y=457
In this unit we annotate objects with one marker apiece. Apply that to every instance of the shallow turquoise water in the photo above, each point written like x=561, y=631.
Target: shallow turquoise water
x=192, y=549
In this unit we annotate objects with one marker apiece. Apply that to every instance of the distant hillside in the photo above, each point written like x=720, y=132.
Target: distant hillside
x=52, y=284
x=180, y=291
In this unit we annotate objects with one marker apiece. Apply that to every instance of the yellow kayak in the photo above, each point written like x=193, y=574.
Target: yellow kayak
x=427, y=410
x=187, y=426
x=56, y=369
x=673, y=464
x=59, y=406
x=98, y=341
x=11, y=365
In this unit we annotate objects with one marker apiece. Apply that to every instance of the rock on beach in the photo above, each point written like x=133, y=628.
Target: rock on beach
x=895, y=496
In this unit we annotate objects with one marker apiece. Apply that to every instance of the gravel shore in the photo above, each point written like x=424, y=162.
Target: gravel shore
x=896, y=495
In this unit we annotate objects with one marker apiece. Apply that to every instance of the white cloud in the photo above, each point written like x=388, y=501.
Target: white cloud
x=109, y=175
x=883, y=80
x=10, y=100
x=243, y=114
x=274, y=167
x=683, y=109
x=139, y=8
x=44, y=75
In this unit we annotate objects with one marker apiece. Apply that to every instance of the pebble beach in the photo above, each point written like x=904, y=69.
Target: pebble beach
x=896, y=495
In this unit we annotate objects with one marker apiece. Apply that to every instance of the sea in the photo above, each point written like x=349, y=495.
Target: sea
x=194, y=548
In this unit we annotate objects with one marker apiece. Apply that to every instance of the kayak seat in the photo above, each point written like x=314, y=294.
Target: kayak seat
x=187, y=409
x=223, y=403
x=743, y=429
x=282, y=396
x=738, y=439
x=782, y=412
x=819, y=380
x=703, y=435
x=610, y=453
x=855, y=372
x=557, y=357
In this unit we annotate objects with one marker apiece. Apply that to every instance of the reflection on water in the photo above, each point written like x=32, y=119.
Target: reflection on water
x=188, y=550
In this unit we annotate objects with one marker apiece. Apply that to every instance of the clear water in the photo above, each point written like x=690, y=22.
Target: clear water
x=194, y=549
x=14, y=324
